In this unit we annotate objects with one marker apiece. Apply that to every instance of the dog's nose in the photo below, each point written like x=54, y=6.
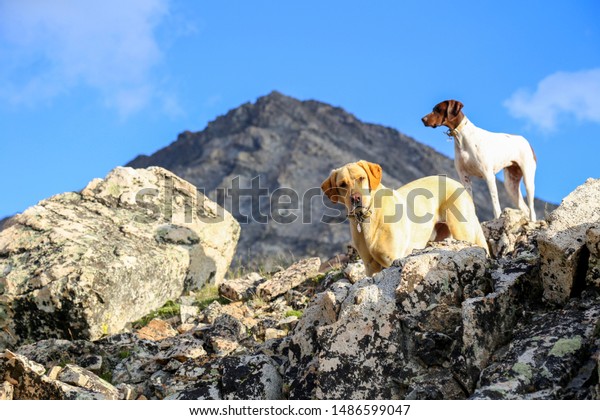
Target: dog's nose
x=424, y=119
x=355, y=199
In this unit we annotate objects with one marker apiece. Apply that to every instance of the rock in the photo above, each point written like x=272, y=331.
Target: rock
x=225, y=334
x=6, y=391
x=274, y=333
x=543, y=357
x=184, y=328
x=30, y=383
x=488, y=321
x=592, y=278
x=242, y=288
x=188, y=311
x=126, y=392
x=134, y=359
x=376, y=338
x=93, y=363
x=54, y=372
x=156, y=330
x=83, y=265
x=288, y=323
x=439, y=277
x=52, y=352
x=231, y=378
x=304, y=345
x=562, y=243
x=355, y=271
x=511, y=232
x=182, y=348
x=77, y=376
x=289, y=278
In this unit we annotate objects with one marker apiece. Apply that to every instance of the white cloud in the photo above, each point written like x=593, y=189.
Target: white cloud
x=49, y=48
x=560, y=94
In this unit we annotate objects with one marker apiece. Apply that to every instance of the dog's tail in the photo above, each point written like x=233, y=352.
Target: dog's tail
x=533, y=151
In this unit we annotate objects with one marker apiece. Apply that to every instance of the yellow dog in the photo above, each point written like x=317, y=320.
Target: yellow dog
x=389, y=224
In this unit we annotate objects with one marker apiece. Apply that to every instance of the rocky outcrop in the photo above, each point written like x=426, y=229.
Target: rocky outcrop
x=563, y=243
x=286, y=148
x=83, y=265
x=225, y=351
x=446, y=322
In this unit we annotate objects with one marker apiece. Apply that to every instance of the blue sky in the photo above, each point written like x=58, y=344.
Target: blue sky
x=87, y=86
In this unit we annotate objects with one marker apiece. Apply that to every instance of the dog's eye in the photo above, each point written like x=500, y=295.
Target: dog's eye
x=343, y=185
x=361, y=179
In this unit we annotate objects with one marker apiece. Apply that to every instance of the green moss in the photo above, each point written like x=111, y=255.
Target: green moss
x=168, y=310
x=124, y=354
x=523, y=370
x=207, y=295
x=114, y=189
x=107, y=376
x=565, y=346
x=318, y=278
x=297, y=314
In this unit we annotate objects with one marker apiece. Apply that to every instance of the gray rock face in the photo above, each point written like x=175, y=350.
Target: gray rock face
x=83, y=265
x=380, y=337
x=563, y=243
x=544, y=358
x=593, y=245
x=29, y=382
x=286, y=144
x=512, y=233
x=231, y=378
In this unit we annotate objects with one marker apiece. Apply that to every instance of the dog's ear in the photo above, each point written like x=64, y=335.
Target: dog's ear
x=373, y=171
x=454, y=108
x=329, y=188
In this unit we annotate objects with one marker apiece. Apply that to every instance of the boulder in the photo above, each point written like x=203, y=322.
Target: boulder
x=511, y=233
x=253, y=377
x=77, y=376
x=289, y=278
x=563, y=243
x=388, y=336
x=488, y=321
x=546, y=355
x=7, y=391
x=242, y=288
x=355, y=271
x=29, y=382
x=156, y=330
x=83, y=265
x=592, y=278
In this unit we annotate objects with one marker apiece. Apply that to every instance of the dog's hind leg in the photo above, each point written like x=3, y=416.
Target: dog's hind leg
x=529, y=181
x=512, y=182
x=490, y=179
x=464, y=224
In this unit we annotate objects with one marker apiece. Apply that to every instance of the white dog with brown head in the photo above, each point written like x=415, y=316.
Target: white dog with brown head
x=389, y=224
x=482, y=153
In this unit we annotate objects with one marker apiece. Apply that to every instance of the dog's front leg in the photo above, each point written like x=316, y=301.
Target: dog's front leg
x=372, y=266
x=465, y=179
x=490, y=179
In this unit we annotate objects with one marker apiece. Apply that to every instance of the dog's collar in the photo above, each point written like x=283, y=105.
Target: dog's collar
x=455, y=132
x=361, y=217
